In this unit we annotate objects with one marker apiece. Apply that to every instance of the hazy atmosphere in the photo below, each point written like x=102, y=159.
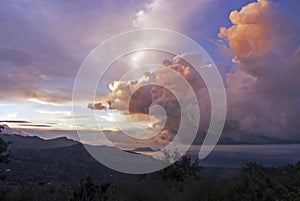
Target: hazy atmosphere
x=254, y=44
x=150, y=100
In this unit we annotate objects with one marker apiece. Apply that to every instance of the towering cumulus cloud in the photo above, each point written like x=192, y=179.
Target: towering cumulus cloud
x=139, y=96
x=264, y=94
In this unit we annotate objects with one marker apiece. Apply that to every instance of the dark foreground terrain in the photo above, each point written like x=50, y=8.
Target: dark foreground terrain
x=61, y=169
x=178, y=182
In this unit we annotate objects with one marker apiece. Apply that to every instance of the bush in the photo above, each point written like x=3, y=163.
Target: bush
x=181, y=169
x=89, y=191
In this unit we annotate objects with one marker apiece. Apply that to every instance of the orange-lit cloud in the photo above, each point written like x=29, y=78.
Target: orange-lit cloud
x=263, y=95
x=141, y=96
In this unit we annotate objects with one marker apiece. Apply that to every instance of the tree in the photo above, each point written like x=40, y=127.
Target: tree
x=180, y=169
x=3, y=153
x=3, y=148
x=89, y=191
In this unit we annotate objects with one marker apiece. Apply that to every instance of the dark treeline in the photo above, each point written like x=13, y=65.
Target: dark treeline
x=180, y=181
x=184, y=180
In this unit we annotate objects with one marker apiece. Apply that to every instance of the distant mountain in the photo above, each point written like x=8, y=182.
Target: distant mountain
x=7, y=130
x=228, y=138
x=19, y=139
x=143, y=149
x=251, y=139
x=61, y=160
x=35, y=143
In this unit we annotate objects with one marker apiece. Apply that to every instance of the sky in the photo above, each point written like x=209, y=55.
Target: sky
x=255, y=45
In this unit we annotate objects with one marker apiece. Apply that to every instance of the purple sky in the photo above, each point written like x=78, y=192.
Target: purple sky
x=43, y=44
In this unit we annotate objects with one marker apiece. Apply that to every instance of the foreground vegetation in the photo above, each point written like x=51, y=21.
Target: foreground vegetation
x=184, y=180
x=181, y=181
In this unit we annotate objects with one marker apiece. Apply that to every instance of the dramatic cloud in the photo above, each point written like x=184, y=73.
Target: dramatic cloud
x=43, y=44
x=263, y=96
x=154, y=89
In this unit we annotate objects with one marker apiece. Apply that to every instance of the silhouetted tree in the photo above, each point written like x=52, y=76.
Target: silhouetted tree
x=181, y=169
x=89, y=191
x=3, y=152
x=3, y=149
